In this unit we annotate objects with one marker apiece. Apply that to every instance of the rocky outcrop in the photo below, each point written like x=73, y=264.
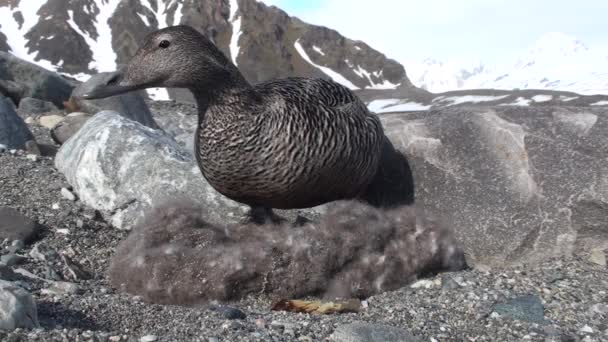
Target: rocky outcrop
x=13, y=131
x=518, y=184
x=34, y=81
x=123, y=168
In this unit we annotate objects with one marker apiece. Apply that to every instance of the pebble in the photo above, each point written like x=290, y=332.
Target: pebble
x=367, y=332
x=586, y=329
x=32, y=157
x=525, y=308
x=598, y=257
x=67, y=194
x=148, y=338
x=42, y=252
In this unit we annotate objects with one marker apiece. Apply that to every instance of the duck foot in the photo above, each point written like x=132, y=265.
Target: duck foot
x=261, y=215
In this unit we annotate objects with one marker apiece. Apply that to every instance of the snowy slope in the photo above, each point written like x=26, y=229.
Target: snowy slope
x=556, y=61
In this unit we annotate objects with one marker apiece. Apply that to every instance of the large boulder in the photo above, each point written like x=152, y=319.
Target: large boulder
x=124, y=168
x=131, y=105
x=517, y=184
x=36, y=81
x=13, y=130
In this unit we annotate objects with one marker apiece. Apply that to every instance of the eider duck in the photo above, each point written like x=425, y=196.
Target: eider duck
x=288, y=143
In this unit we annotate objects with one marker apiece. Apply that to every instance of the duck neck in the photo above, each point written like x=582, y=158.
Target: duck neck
x=231, y=89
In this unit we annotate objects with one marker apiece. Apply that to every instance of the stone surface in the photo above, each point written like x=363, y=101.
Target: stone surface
x=38, y=82
x=367, y=332
x=69, y=126
x=131, y=105
x=526, y=308
x=17, y=307
x=29, y=106
x=15, y=226
x=124, y=168
x=517, y=184
x=13, y=131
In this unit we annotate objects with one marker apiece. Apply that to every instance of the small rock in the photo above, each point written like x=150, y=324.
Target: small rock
x=366, y=332
x=148, y=338
x=51, y=274
x=586, y=330
x=3, y=148
x=32, y=157
x=12, y=259
x=526, y=308
x=449, y=283
x=90, y=213
x=67, y=194
x=63, y=287
x=68, y=127
x=50, y=121
x=15, y=226
x=55, y=206
x=79, y=223
x=29, y=106
x=17, y=308
x=31, y=147
x=597, y=256
x=213, y=339
x=229, y=312
x=76, y=271
x=42, y=252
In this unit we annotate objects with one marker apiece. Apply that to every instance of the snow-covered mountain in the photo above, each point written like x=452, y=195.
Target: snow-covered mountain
x=556, y=61
x=82, y=37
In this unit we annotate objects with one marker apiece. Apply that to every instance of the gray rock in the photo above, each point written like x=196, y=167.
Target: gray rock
x=63, y=287
x=68, y=127
x=17, y=308
x=518, y=184
x=229, y=312
x=131, y=105
x=13, y=130
x=29, y=106
x=597, y=256
x=526, y=308
x=12, y=90
x=38, y=82
x=123, y=168
x=15, y=226
x=367, y=332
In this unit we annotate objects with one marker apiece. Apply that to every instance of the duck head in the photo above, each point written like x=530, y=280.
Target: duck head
x=177, y=57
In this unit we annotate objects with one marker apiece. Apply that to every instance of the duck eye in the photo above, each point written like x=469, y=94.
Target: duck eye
x=164, y=44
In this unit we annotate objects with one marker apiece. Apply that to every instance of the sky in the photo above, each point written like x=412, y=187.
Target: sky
x=467, y=31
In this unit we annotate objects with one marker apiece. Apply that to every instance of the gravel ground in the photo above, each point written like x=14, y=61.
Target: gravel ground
x=559, y=300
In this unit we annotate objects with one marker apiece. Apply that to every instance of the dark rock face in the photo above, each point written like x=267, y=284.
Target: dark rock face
x=36, y=81
x=13, y=131
x=521, y=184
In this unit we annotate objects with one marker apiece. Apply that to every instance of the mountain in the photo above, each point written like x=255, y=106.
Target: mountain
x=555, y=62
x=81, y=37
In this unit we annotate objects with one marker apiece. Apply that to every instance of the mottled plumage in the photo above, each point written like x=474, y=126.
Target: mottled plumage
x=287, y=143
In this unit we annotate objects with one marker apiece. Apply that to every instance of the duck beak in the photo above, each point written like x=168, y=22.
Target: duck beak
x=106, y=85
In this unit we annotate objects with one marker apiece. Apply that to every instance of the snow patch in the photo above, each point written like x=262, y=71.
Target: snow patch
x=393, y=105
x=568, y=98
x=318, y=50
x=236, y=30
x=367, y=75
x=144, y=19
x=471, y=98
x=334, y=75
x=600, y=103
x=15, y=34
x=542, y=98
x=159, y=94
